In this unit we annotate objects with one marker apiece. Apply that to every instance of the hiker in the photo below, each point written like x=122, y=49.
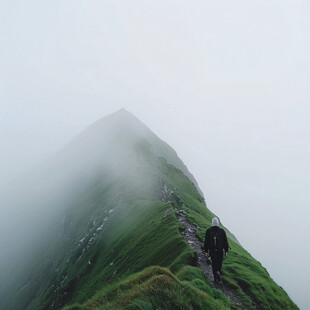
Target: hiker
x=216, y=246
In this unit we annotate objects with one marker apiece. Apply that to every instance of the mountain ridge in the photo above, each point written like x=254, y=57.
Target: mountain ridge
x=109, y=206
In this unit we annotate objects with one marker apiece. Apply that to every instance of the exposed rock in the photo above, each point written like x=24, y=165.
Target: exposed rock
x=166, y=192
x=100, y=227
x=189, y=234
x=168, y=211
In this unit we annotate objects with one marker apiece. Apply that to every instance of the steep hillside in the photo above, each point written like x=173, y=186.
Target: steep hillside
x=114, y=206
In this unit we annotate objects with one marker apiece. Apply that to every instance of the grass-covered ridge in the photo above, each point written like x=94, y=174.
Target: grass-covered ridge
x=117, y=241
x=122, y=249
x=157, y=288
x=240, y=270
x=156, y=240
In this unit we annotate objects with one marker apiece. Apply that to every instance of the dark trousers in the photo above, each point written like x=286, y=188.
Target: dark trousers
x=217, y=260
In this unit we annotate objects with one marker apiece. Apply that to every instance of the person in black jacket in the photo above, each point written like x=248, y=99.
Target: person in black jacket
x=216, y=245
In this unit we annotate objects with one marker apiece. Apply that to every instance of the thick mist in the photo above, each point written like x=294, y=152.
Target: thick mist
x=118, y=152
x=225, y=84
x=35, y=205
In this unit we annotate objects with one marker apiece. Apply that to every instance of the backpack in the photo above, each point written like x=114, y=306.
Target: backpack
x=216, y=239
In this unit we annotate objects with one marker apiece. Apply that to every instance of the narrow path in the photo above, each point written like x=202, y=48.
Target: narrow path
x=189, y=234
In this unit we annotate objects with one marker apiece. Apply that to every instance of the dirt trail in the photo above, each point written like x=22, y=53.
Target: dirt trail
x=189, y=234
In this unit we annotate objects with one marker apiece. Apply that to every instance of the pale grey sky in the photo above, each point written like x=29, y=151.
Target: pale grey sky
x=223, y=82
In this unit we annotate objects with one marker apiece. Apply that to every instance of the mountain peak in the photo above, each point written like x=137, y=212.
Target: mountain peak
x=122, y=110
x=121, y=118
x=123, y=129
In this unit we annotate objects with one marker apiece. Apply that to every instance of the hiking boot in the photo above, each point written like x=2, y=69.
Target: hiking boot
x=219, y=277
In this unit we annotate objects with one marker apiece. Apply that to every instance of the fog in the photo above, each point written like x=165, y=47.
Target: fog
x=225, y=84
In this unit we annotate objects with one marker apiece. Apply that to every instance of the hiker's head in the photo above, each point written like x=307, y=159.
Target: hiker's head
x=215, y=221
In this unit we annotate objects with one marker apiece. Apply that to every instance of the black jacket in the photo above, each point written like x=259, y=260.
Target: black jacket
x=208, y=245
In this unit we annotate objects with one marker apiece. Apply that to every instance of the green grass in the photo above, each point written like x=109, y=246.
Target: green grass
x=157, y=241
x=124, y=248
x=156, y=288
x=240, y=270
x=116, y=273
